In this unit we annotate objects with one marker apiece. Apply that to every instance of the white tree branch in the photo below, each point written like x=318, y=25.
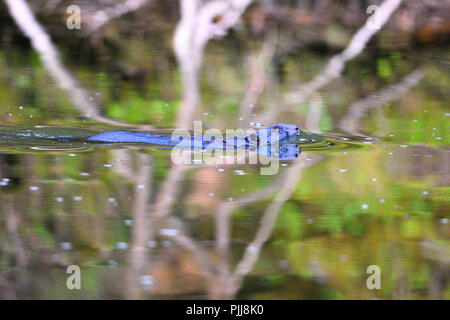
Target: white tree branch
x=200, y=22
x=359, y=109
x=41, y=42
x=337, y=63
x=101, y=17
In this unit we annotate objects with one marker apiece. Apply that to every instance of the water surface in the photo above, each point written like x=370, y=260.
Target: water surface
x=140, y=227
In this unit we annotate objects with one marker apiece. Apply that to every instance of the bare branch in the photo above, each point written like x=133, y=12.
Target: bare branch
x=269, y=218
x=197, y=26
x=41, y=42
x=337, y=63
x=259, y=71
x=141, y=229
x=101, y=17
x=359, y=109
